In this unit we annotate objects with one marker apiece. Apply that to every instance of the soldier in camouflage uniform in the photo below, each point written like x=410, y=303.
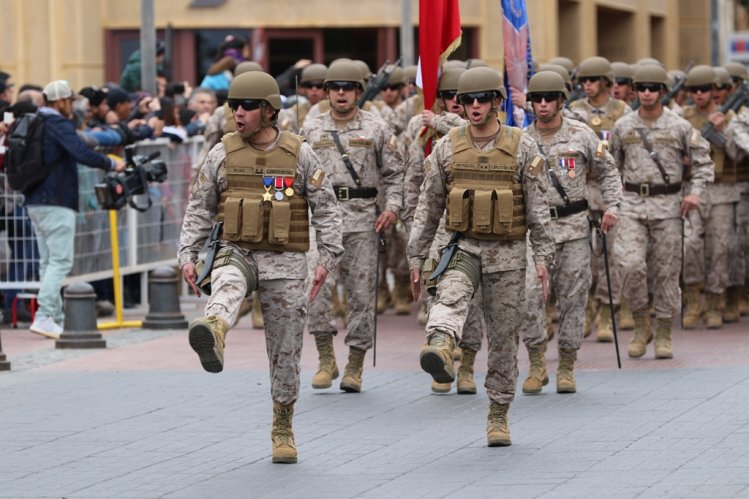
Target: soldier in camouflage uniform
x=360, y=153
x=710, y=228
x=311, y=92
x=262, y=241
x=489, y=177
x=653, y=204
x=600, y=111
x=573, y=153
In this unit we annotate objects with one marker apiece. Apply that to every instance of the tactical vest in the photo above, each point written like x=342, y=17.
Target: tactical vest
x=230, y=125
x=483, y=199
x=256, y=211
x=725, y=169
x=602, y=122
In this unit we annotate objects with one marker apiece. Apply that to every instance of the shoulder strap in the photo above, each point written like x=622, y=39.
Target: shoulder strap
x=553, y=176
x=653, y=154
x=345, y=157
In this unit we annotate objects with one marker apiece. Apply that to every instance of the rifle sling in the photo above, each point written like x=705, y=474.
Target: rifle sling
x=653, y=155
x=345, y=157
x=554, y=180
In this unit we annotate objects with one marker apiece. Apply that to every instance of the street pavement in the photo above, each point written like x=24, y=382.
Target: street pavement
x=140, y=419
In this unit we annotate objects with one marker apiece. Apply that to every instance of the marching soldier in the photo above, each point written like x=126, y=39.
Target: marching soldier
x=600, y=111
x=311, y=91
x=259, y=185
x=573, y=152
x=360, y=154
x=489, y=177
x=649, y=146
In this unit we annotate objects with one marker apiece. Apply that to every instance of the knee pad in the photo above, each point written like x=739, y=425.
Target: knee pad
x=469, y=265
x=228, y=255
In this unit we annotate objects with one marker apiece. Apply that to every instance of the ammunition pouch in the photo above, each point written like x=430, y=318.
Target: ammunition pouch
x=430, y=264
x=469, y=265
x=229, y=256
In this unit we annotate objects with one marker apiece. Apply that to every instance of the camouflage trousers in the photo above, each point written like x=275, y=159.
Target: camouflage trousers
x=598, y=269
x=356, y=274
x=633, y=262
x=708, y=232
x=739, y=246
x=473, y=329
x=502, y=301
x=396, y=237
x=570, y=278
x=284, y=305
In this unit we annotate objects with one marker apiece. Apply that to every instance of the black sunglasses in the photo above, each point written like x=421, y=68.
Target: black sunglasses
x=481, y=97
x=589, y=79
x=246, y=104
x=448, y=94
x=700, y=88
x=341, y=85
x=623, y=81
x=650, y=87
x=537, y=97
x=397, y=86
x=316, y=84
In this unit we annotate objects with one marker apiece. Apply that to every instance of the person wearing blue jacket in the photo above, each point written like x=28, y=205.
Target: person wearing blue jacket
x=53, y=203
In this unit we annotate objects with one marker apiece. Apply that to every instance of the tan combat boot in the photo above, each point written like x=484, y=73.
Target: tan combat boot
x=246, y=306
x=604, y=331
x=351, y=381
x=537, y=375
x=437, y=357
x=466, y=384
x=402, y=298
x=565, y=371
x=441, y=387
x=731, y=311
x=643, y=334
x=207, y=337
x=591, y=311
x=257, y=313
x=497, y=427
x=624, y=319
x=713, y=315
x=663, y=348
x=327, y=370
x=457, y=353
x=282, y=435
x=692, y=306
x=383, y=296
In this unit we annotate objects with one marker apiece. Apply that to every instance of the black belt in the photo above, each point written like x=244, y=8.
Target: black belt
x=652, y=189
x=568, y=209
x=346, y=193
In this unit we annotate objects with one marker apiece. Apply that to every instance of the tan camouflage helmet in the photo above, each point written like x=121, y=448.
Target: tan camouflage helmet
x=596, y=66
x=476, y=63
x=565, y=62
x=397, y=75
x=340, y=59
x=314, y=72
x=366, y=73
x=449, y=79
x=453, y=63
x=701, y=75
x=256, y=85
x=560, y=70
x=344, y=71
x=724, y=77
x=651, y=73
x=737, y=70
x=547, y=81
x=410, y=72
x=246, y=66
x=622, y=71
x=481, y=80
x=649, y=61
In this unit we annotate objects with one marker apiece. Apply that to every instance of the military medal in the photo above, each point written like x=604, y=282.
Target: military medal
x=571, y=167
x=606, y=135
x=267, y=182
x=278, y=185
x=288, y=181
x=595, y=121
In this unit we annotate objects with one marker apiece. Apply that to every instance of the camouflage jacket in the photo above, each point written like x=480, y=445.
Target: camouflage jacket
x=377, y=158
x=673, y=139
x=572, y=154
x=495, y=256
x=203, y=206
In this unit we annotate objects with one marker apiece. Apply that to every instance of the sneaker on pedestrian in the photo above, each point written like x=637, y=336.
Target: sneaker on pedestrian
x=46, y=327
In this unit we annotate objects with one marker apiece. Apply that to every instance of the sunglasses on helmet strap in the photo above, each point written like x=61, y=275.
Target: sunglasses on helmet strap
x=481, y=97
x=650, y=87
x=700, y=88
x=246, y=104
x=537, y=97
x=448, y=94
x=341, y=85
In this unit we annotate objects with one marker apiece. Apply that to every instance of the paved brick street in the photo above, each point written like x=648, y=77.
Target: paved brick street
x=140, y=419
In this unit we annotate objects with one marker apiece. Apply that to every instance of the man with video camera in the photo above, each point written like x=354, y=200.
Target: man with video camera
x=52, y=204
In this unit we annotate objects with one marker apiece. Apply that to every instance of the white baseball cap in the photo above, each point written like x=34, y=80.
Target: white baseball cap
x=58, y=89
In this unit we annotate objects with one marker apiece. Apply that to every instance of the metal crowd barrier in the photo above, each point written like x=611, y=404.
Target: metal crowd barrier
x=146, y=239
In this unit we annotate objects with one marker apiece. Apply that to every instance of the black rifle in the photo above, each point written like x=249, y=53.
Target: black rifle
x=596, y=228
x=733, y=103
x=377, y=82
x=213, y=242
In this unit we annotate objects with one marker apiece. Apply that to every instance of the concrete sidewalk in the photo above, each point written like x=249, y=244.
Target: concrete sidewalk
x=140, y=419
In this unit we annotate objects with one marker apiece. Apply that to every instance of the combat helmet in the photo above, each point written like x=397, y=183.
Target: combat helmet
x=366, y=73
x=622, y=71
x=565, y=62
x=724, y=77
x=650, y=73
x=410, y=72
x=596, y=66
x=453, y=63
x=344, y=71
x=481, y=79
x=701, y=75
x=737, y=70
x=256, y=85
x=649, y=61
x=246, y=66
x=313, y=72
x=547, y=81
x=560, y=70
x=449, y=79
x=397, y=75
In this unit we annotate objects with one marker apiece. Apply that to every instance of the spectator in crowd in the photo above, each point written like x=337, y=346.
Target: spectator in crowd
x=53, y=203
x=119, y=116
x=231, y=52
x=6, y=91
x=130, y=78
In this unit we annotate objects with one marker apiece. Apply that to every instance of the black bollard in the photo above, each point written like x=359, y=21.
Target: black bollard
x=163, y=300
x=80, y=318
x=4, y=362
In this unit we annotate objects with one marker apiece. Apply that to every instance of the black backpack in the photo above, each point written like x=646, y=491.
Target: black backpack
x=24, y=165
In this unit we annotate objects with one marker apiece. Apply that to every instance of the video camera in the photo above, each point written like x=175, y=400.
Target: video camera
x=118, y=188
